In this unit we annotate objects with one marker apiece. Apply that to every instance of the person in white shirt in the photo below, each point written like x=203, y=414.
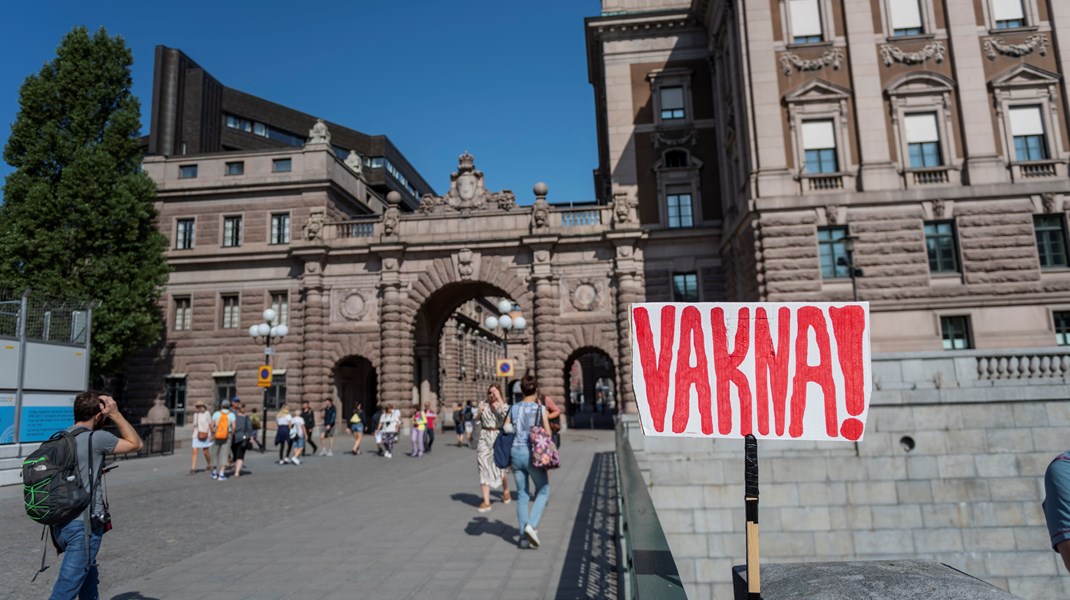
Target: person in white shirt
x=298, y=433
x=388, y=427
x=282, y=434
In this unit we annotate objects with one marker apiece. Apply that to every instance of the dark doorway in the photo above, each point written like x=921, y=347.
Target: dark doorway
x=357, y=385
x=591, y=394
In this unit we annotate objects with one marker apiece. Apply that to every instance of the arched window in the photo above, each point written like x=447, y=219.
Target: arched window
x=675, y=159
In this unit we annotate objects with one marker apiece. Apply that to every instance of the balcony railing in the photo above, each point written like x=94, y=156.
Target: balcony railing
x=930, y=176
x=1034, y=170
x=1023, y=365
x=824, y=183
x=581, y=217
x=355, y=229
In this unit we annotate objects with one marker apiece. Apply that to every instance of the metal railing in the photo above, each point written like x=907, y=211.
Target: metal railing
x=649, y=567
x=159, y=439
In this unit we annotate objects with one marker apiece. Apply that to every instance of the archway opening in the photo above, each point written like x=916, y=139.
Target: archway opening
x=591, y=392
x=357, y=386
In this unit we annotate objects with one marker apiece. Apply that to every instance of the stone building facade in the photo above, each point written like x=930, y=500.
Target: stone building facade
x=912, y=154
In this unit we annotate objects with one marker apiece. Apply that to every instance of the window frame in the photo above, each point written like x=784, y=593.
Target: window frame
x=282, y=316
x=276, y=393
x=274, y=240
x=1029, y=14
x=238, y=231
x=820, y=100
x=828, y=30
x=697, y=296
x=834, y=243
x=967, y=332
x=952, y=236
x=234, y=168
x=928, y=21
x=187, y=171
x=676, y=181
x=669, y=78
x=185, y=242
x=181, y=312
x=920, y=93
x=1062, y=241
x=275, y=162
x=229, y=313
x=224, y=382
x=176, y=397
x=690, y=203
x=1060, y=321
x=1026, y=85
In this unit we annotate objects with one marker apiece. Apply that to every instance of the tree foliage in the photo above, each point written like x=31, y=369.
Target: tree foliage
x=78, y=218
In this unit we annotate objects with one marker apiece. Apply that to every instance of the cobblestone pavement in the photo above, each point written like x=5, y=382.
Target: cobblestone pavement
x=345, y=526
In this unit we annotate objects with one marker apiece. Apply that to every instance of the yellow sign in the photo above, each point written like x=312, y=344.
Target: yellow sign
x=504, y=367
x=263, y=376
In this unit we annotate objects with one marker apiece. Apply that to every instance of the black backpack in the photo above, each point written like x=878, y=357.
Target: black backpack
x=52, y=490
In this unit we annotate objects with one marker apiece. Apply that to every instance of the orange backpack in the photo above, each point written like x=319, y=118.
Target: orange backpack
x=222, y=428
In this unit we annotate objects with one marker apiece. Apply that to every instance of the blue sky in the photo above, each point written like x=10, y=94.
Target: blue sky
x=506, y=81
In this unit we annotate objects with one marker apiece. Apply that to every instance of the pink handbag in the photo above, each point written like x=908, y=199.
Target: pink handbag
x=543, y=450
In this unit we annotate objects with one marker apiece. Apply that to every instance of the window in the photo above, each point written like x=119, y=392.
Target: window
x=685, y=287
x=940, y=244
x=187, y=171
x=235, y=168
x=1027, y=129
x=819, y=142
x=672, y=102
x=675, y=159
x=1062, y=328
x=956, y=333
x=281, y=165
x=280, y=228
x=276, y=394
x=231, y=311
x=225, y=388
x=832, y=250
x=1008, y=14
x=232, y=231
x=184, y=234
x=923, y=140
x=174, y=392
x=262, y=130
x=805, y=21
x=1051, y=241
x=280, y=302
x=182, y=313
x=905, y=17
x=679, y=210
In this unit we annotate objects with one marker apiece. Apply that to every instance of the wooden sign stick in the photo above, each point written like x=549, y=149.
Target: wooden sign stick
x=750, y=493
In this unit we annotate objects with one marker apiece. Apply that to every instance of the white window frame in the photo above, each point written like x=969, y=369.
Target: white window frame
x=181, y=321
x=282, y=313
x=230, y=316
x=192, y=233
x=240, y=233
x=828, y=32
x=815, y=101
x=1038, y=88
x=674, y=77
x=928, y=20
x=687, y=179
x=1029, y=8
x=924, y=92
x=271, y=228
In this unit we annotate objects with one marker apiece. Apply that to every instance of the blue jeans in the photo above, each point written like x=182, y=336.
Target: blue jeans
x=522, y=469
x=78, y=578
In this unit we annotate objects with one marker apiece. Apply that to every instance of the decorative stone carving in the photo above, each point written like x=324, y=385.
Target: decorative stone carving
x=314, y=225
x=391, y=215
x=355, y=162
x=542, y=256
x=623, y=208
x=832, y=214
x=390, y=264
x=1051, y=203
x=158, y=414
x=933, y=50
x=540, y=210
x=312, y=267
x=354, y=306
x=584, y=295
x=939, y=209
x=625, y=251
x=832, y=58
x=319, y=134
x=467, y=192
x=667, y=140
x=464, y=264
x=1035, y=43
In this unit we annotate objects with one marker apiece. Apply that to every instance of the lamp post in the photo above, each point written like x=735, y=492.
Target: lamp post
x=268, y=331
x=849, y=262
x=510, y=319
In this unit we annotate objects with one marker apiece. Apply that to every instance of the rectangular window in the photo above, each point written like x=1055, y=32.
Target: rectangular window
x=276, y=396
x=679, y=210
x=956, y=333
x=235, y=168
x=187, y=171
x=281, y=165
x=819, y=142
x=672, y=102
x=940, y=244
x=923, y=140
x=1062, y=328
x=832, y=249
x=280, y=228
x=174, y=390
x=905, y=16
x=1008, y=14
x=232, y=227
x=1027, y=129
x=685, y=287
x=280, y=302
x=182, y=313
x=184, y=234
x=231, y=311
x=805, y=22
x=1051, y=241
x=225, y=389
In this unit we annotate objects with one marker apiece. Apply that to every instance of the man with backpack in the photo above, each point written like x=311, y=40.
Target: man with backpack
x=222, y=432
x=78, y=575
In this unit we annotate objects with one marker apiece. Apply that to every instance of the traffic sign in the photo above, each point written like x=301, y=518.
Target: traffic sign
x=263, y=376
x=504, y=367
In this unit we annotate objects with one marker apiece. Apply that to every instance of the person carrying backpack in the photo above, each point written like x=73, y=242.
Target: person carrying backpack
x=222, y=433
x=244, y=434
x=78, y=576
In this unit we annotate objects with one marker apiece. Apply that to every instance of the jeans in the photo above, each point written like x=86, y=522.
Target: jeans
x=522, y=469
x=417, y=442
x=429, y=438
x=78, y=578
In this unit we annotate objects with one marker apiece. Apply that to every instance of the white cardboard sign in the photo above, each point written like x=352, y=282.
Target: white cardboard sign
x=788, y=371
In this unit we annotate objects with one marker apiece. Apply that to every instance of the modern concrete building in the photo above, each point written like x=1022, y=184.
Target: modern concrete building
x=912, y=154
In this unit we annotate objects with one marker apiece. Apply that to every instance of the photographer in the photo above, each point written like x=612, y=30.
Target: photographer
x=78, y=575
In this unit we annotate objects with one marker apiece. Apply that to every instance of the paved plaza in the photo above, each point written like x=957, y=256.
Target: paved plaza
x=341, y=527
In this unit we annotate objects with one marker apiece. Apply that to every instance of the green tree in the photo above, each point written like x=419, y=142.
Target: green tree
x=78, y=219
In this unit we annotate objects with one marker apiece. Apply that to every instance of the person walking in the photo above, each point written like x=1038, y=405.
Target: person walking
x=419, y=426
x=553, y=415
x=377, y=417
x=309, y=418
x=202, y=442
x=429, y=435
x=298, y=433
x=254, y=417
x=356, y=426
x=243, y=438
x=330, y=417
x=491, y=415
x=282, y=434
x=388, y=425
x=469, y=422
x=78, y=575
x=222, y=434
x=458, y=424
x=523, y=416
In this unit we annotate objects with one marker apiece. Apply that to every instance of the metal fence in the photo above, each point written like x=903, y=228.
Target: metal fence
x=48, y=319
x=159, y=439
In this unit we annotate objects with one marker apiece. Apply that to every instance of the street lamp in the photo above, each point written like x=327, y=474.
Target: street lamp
x=268, y=331
x=849, y=262
x=511, y=319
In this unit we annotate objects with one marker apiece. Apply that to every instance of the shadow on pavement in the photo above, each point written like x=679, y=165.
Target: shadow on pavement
x=590, y=570
x=484, y=526
x=469, y=499
x=133, y=596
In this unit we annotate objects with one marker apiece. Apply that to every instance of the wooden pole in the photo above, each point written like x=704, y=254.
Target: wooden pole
x=750, y=493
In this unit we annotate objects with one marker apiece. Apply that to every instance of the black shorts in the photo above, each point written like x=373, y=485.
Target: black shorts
x=237, y=449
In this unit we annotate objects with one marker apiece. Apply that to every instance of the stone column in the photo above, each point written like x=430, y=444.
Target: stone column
x=315, y=370
x=629, y=291
x=548, y=368
x=395, y=370
x=878, y=172
x=764, y=112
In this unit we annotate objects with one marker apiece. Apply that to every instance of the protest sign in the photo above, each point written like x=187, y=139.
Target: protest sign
x=796, y=371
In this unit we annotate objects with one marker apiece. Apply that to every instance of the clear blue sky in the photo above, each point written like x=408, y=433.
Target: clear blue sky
x=504, y=80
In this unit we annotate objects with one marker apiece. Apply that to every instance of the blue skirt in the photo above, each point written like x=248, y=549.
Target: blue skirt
x=282, y=435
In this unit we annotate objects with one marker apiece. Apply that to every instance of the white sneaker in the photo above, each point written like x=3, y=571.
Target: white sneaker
x=389, y=455
x=286, y=461
x=329, y=453
x=282, y=462
x=532, y=535
x=296, y=460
